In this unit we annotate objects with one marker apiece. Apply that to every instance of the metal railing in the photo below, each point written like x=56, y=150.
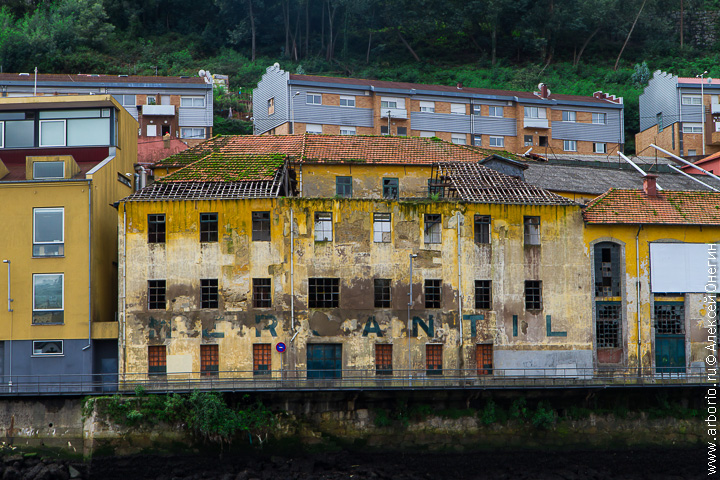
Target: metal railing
x=354, y=379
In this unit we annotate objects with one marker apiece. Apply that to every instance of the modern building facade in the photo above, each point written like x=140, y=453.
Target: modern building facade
x=501, y=120
x=181, y=107
x=63, y=161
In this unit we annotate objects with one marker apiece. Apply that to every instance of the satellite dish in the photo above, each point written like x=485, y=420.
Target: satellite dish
x=540, y=85
x=201, y=73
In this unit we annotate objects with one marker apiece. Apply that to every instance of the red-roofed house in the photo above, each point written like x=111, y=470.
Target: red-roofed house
x=710, y=163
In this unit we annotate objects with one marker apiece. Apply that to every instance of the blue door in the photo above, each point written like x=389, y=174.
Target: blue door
x=324, y=360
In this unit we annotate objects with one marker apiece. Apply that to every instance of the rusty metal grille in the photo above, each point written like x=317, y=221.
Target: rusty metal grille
x=433, y=359
x=484, y=358
x=157, y=360
x=607, y=324
x=261, y=359
x=209, y=360
x=670, y=318
x=383, y=359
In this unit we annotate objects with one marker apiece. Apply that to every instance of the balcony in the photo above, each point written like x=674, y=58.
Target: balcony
x=535, y=123
x=393, y=113
x=157, y=110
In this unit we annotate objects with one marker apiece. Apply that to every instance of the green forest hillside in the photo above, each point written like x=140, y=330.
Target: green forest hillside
x=574, y=46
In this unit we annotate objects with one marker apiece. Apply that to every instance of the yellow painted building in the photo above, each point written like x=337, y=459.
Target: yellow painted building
x=63, y=162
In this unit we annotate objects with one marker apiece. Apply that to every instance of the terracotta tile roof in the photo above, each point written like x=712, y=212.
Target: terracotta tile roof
x=671, y=208
x=90, y=78
x=152, y=151
x=218, y=167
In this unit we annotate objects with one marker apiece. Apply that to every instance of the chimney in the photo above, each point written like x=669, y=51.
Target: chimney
x=166, y=140
x=544, y=92
x=459, y=85
x=650, y=185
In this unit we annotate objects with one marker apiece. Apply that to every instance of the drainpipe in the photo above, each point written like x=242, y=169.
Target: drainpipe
x=460, y=296
x=124, y=288
x=11, y=323
x=89, y=344
x=637, y=289
x=292, y=271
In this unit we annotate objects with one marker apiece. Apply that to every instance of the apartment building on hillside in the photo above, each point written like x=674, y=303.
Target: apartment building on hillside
x=285, y=103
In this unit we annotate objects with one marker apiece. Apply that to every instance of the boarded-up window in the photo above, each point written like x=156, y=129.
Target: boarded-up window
x=484, y=358
x=209, y=360
x=682, y=267
x=383, y=359
x=157, y=360
x=433, y=359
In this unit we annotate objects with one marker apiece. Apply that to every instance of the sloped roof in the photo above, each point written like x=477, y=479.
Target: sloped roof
x=668, y=207
x=91, y=78
x=218, y=167
x=160, y=191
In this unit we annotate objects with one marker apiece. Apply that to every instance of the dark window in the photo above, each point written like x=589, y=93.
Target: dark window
x=543, y=141
x=528, y=140
x=343, y=187
x=670, y=318
x=156, y=294
x=533, y=295
x=607, y=324
x=261, y=359
x=383, y=359
x=483, y=294
x=262, y=294
x=433, y=228
x=482, y=228
x=323, y=292
x=157, y=360
x=209, y=293
x=402, y=131
x=433, y=290
x=433, y=359
x=324, y=361
x=383, y=130
x=208, y=227
x=484, y=358
x=391, y=188
x=209, y=360
x=607, y=269
x=382, y=293
x=156, y=228
x=435, y=188
x=532, y=230
x=260, y=226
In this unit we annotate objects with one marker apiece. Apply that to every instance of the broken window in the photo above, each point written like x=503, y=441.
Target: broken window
x=209, y=360
x=433, y=359
x=382, y=227
x=607, y=269
x=435, y=188
x=382, y=293
x=433, y=291
x=157, y=360
x=433, y=228
x=260, y=226
x=323, y=227
x=484, y=358
x=533, y=295
x=343, y=187
x=532, y=230
x=156, y=294
x=209, y=293
x=482, y=228
x=262, y=294
x=261, y=359
x=483, y=294
x=390, y=188
x=669, y=318
x=323, y=292
x=607, y=324
x=209, y=227
x=383, y=359
x=156, y=228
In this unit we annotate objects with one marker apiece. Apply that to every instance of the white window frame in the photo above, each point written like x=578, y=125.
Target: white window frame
x=427, y=107
x=477, y=140
x=349, y=101
x=535, y=112
x=569, y=116
x=62, y=293
x=61, y=210
x=688, y=99
x=348, y=131
x=313, y=128
x=41, y=354
x=496, y=141
x=323, y=227
x=457, y=109
x=152, y=127
x=570, y=145
x=193, y=100
x=599, y=147
x=392, y=102
x=35, y=177
x=599, y=118
x=381, y=227
x=692, y=153
x=458, y=138
x=493, y=111
x=183, y=132
x=689, y=127
x=313, y=98
x=123, y=102
x=42, y=122
x=424, y=134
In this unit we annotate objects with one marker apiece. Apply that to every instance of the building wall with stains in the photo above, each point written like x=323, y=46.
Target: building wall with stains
x=319, y=180
x=556, y=336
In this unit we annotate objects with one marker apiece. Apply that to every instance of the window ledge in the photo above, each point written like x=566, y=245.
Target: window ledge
x=45, y=324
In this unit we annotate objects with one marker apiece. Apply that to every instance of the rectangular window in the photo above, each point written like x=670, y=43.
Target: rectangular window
x=457, y=108
x=311, y=128
x=382, y=293
x=209, y=361
x=570, y=145
x=433, y=291
x=669, y=318
x=528, y=140
x=599, y=118
x=459, y=139
x=20, y=134
x=209, y=293
x=271, y=106
x=433, y=228
x=261, y=359
x=692, y=153
x=535, y=112
x=607, y=269
x=476, y=109
x=424, y=134
x=659, y=120
x=497, y=141
x=482, y=228
x=347, y=130
x=391, y=188
x=52, y=133
x=607, y=325
x=483, y=294
x=533, y=295
x=48, y=170
x=384, y=130
x=156, y=228
x=388, y=103
x=477, y=140
x=484, y=358
x=382, y=227
x=433, y=359
x=600, y=147
x=262, y=293
x=532, y=230
x=427, y=107
x=157, y=360
x=313, y=99
x=209, y=227
x=47, y=347
x=48, y=232
x=691, y=100
x=323, y=292
x=692, y=127
x=151, y=131
x=383, y=359
x=323, y=227
x=343, y=187
x=195, y=102
x=495, y=111
x=568, y=116
x=188, y=132
x=347, y=101
x=402, y=131
x=48, y=298
x=125, y=100
x=156, y=294
x=260, y=226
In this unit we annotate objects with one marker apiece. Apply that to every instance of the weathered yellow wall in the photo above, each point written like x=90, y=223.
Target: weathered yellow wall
x=318, y=180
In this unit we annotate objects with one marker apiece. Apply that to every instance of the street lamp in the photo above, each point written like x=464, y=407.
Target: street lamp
x=702, y=106
x=292, y=111
x=409, y=318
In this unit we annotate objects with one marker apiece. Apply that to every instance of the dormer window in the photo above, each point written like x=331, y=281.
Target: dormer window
x=48, y=170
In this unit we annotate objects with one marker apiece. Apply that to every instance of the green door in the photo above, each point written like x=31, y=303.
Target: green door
x=670, y=353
